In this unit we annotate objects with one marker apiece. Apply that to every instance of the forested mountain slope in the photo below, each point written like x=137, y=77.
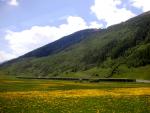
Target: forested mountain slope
x=94, y=53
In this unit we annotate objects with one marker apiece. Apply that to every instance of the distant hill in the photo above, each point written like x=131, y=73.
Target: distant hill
x=116, y=51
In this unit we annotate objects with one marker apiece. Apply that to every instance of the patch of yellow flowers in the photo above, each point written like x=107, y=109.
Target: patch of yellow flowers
x=78, y=93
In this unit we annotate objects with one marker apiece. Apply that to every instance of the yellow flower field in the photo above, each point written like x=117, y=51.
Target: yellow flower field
x=45, y=96
x=78, y=93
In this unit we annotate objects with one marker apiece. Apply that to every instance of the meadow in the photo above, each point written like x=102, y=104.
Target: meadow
x=46, y=96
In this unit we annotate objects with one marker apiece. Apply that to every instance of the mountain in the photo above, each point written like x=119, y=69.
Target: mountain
x=61, y=44
x=57, y=45
x=121, y=50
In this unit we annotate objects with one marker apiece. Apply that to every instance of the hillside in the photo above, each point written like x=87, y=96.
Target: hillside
x=58, y=45
x=116, y=51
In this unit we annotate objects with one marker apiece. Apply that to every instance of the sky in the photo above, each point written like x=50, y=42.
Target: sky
x=29, y=24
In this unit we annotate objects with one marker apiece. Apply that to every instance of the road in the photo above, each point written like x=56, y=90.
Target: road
x=143, y=81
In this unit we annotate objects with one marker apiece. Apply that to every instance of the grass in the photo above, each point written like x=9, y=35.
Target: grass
x=45, y=96
x=123, y=72
x=138, y=73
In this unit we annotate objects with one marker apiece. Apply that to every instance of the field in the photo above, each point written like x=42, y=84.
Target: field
x=45, y=96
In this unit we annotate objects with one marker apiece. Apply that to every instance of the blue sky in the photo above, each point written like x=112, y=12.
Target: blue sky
x=28, y=24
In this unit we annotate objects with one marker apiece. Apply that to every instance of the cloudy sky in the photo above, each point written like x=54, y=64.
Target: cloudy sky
x=28, y=24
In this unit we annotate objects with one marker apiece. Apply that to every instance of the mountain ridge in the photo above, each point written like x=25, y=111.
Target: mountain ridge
x=56, y=46
x=59, y=44
x=101, y=53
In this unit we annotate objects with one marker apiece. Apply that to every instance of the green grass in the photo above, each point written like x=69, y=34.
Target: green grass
x=123, y=72
x=78, y=105
x=137, y=73
x=63, y=104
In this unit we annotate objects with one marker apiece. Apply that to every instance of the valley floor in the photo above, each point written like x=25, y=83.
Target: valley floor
x=45, y=96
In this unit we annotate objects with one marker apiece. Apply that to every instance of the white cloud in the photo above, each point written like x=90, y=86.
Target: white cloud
x=13, y=2
x=143, y=4
x=4, y=56
x=108, y=11
x=30, y=39
x=94, y=24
